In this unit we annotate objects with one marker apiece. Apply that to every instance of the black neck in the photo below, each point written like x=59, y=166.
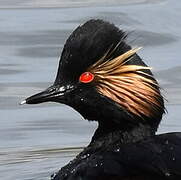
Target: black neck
x=112, y=133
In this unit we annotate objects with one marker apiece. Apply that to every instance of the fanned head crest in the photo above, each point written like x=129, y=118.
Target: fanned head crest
x=127, y=85
x=101, y=77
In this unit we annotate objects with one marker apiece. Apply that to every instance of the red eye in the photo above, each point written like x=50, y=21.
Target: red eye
x=86, y=77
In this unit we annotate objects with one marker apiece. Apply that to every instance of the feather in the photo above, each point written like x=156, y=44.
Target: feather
x=127, y=85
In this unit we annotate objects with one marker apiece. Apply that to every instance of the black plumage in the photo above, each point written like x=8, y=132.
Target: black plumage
x=124, y=146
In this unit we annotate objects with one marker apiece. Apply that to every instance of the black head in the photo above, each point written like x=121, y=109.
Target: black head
x=98, y=96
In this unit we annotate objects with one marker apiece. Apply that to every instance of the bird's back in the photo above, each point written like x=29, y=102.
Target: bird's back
x=157, y=157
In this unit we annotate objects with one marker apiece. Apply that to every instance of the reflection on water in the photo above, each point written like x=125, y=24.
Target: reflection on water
x=8, y=158
x=37, y=164
x=37, y=140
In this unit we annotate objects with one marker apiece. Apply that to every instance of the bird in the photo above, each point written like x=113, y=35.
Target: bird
x=104, y=79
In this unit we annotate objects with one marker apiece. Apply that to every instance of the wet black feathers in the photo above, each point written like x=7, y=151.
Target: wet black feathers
x=87, y=44
x=158, y=157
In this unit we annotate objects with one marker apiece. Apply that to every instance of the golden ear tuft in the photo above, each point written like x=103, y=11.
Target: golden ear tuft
x=128, y=85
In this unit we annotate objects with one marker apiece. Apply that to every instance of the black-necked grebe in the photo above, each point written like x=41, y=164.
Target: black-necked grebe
x=105, y=80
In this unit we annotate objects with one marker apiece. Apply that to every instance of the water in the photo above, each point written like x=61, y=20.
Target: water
x=37, y=140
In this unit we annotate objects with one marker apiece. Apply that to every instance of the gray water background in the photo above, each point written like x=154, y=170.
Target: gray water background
x=36, y=140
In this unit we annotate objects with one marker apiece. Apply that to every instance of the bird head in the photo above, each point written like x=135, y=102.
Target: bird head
x=104, y=79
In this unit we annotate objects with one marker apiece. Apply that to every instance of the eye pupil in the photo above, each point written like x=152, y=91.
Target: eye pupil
x=86, y=77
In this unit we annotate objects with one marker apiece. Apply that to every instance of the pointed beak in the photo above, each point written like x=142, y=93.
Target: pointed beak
x=53, y=93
